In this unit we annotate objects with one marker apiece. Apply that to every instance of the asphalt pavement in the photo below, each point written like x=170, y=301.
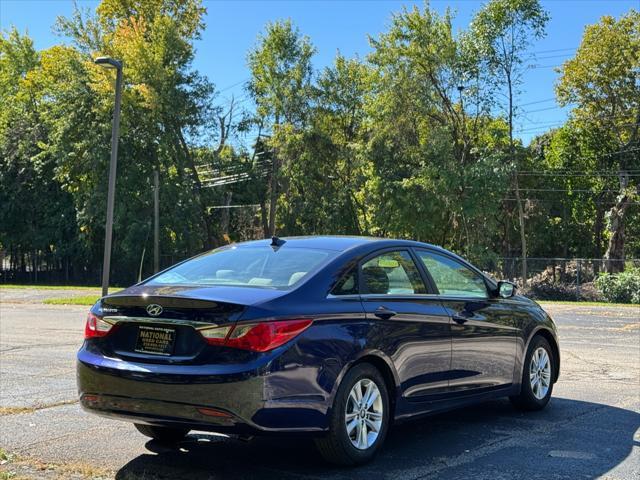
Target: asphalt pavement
x=590, y=429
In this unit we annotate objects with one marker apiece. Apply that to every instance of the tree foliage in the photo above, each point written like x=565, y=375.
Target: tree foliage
x=602, y=81
x=413, y=141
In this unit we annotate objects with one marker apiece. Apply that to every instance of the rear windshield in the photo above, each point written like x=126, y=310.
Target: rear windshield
x=247, y=266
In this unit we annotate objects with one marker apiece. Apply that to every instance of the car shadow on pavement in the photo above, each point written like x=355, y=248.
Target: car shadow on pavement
x=569, y=439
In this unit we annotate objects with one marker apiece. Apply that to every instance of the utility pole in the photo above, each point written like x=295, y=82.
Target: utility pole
x=156, y=221
x=106, y=265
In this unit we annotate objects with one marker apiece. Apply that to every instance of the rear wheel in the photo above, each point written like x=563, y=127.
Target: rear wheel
x=537, y=376
x=162, y=434
x=359, y=418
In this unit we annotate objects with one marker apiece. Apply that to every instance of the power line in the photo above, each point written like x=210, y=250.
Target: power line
x=221, y=207
x=556, y=50
x=577, y=175
x=231, y=181
x=619, y=152
x=551, y=122
x=631, y=172
x=538, y=101
x=557, y=190
x=543, y=109
x=531, y=125
x=571, y=173
x=597, y=202
x=604, y=117
x=232, y=85
x=541, y=127
x=533, y=67
x=567, y=190
x=552, y=56
x=530, y=129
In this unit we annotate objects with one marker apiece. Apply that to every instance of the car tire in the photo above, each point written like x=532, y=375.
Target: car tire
x=345, y=442
x=537, y=376
x=163, y=434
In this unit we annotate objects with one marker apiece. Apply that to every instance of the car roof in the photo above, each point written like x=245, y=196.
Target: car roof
x=340, y=243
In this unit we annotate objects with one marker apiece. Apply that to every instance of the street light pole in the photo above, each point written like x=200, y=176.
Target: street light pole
x=156, y=221
x=106, y=265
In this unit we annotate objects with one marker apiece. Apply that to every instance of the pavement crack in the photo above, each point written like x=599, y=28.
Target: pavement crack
x=27, y=447
x=516, y=439
x=20, y=410
x=603, y=368
x=39, y=346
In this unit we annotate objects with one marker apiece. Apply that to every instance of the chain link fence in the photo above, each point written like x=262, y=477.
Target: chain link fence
x=556, y=278
x=547, y=278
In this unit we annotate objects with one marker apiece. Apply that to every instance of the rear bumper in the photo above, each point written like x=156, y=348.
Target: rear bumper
x=198, y=397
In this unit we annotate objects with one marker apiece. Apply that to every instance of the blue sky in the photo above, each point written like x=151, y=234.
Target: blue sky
x=232, y=27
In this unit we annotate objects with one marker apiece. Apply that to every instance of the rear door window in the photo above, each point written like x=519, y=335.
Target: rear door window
x=392, y=273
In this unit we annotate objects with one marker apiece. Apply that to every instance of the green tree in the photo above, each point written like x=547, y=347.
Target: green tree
x=280, y=85
x=168, y=114
x=568, y=218
x=602, y=80
x=323, y=185
x=414, y=141
x=170, y=123
x=502, y=31
x=37, y=218
x=433, y=173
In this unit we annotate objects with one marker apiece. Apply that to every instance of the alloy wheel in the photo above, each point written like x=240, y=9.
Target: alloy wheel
x=540, y=373
x=363, y=415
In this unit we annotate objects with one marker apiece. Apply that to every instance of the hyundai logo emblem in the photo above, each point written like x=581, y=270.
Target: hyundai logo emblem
x=154, y=309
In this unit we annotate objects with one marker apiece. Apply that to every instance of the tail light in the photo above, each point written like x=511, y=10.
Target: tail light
x=212, y=412
x=257, y=337
x=96, y=327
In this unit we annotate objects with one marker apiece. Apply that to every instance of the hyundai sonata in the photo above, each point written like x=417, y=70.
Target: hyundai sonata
x=332, y=337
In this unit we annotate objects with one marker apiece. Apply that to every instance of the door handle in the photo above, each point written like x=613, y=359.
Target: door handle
x=384, y=313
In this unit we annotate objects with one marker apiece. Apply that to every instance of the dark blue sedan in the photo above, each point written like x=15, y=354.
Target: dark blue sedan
x=333, y=337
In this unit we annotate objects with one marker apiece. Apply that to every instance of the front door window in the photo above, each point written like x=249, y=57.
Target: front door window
x=451, y=277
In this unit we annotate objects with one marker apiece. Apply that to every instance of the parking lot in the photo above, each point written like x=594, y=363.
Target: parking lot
x=591, y=428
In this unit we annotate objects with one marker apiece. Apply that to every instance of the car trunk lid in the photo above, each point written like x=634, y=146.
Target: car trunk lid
x=161, y=324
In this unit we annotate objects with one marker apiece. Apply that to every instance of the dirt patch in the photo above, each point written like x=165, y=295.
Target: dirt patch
x=19, y=410
x=629, y=327
x=23, y=468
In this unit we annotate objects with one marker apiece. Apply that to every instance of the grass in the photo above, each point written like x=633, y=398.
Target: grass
x=4, y=456
x=92, y=293
x=17, y=468
x=78, y=299
x=88, y=299
x=587, y=304
x=81, y=300
x=5, y=459
x=48, y=287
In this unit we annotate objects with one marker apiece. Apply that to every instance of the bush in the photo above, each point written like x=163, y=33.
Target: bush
x=621, y=287
x=561, y=291
x=560, y=282
x=565, y=272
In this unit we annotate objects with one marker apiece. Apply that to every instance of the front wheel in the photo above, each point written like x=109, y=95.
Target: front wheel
x=162, y=434
x=537, y=376
x=359, y=418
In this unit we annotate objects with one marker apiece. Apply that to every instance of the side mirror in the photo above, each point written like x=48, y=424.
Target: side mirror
x=506, y=289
